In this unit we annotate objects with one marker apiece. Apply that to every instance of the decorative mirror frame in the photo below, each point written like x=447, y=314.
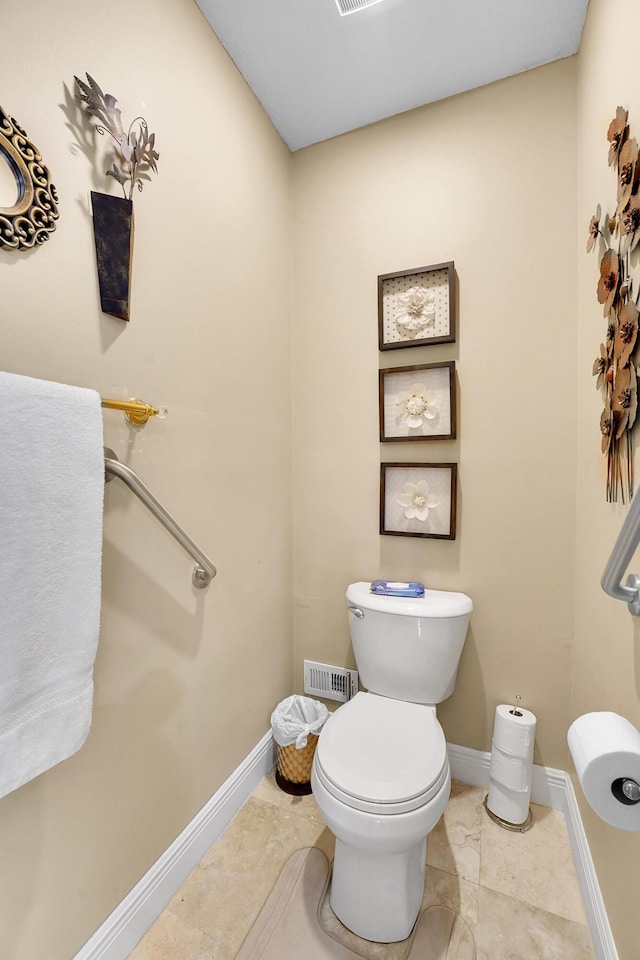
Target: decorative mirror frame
x=32, y=217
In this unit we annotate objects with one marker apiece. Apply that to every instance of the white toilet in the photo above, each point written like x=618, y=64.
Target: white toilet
x=381, y=774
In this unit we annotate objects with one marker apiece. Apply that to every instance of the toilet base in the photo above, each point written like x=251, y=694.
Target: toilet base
x=378, y=897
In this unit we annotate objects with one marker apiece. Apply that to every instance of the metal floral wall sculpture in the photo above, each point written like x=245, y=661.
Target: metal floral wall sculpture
x=617, y=237
x=134, y=157
x=134, y=149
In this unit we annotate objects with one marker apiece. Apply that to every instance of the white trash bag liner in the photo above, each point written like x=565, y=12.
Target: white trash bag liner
x=295, y=718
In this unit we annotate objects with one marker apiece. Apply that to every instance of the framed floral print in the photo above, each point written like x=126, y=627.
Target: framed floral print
x=417, y=307
x=418, y=500
x=418, y=402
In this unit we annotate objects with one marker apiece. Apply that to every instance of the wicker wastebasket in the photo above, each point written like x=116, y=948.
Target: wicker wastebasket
x=296, y=725
x=293, y=772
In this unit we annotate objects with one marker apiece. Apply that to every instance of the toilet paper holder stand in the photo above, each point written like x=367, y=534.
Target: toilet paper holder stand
x=623, y=550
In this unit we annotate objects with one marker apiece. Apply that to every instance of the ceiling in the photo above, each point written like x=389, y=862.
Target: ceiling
x=319, y=74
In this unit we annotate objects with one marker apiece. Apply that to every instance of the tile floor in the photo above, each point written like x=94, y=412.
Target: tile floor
x=518, y=892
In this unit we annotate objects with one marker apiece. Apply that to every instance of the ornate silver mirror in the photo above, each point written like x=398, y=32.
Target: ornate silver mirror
x=28, y=199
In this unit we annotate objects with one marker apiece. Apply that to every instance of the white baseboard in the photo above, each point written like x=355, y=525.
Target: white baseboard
x=131, y=919
x=552, y=788
x=472, y=767
x=601, y=935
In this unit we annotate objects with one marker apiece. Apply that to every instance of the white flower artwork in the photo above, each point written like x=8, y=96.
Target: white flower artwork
x=416, y=501
x=417, y=307
x=418, y=402
x=416, y=405
x=416, y=310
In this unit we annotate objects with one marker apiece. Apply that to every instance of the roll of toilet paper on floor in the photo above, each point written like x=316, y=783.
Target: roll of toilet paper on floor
x=606, y=752
x=511, y=766
x=514, y=731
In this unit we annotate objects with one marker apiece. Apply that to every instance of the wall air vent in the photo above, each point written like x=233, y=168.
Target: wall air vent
x=331, y=683
x=353, y=6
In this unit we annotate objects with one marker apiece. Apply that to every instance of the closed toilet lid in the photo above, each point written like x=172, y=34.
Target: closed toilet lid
x=383, y=751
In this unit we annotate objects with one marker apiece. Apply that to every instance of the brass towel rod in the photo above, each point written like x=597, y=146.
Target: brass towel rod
x=136, y=411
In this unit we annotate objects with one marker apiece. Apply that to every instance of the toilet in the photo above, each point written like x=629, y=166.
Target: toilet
x=381, y=774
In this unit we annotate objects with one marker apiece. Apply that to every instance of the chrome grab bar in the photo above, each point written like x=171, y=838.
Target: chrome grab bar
x=623, y=550
x=205, y=571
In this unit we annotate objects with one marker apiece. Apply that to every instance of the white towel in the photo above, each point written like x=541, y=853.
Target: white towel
x=51, y=501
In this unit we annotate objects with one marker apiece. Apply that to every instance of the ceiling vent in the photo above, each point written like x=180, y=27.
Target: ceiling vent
x=353, y=6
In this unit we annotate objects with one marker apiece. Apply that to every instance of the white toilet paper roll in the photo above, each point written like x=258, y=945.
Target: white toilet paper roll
x=514, y=732
x=512, y=806
x=511, y=766
x=606, y=752
x=511, y=772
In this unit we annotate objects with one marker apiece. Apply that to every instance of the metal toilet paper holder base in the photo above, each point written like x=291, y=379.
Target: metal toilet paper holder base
x=514, y=827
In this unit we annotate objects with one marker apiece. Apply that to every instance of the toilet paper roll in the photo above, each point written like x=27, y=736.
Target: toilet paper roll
x=606, y=752
x=512, y=772
x=512, y=733
x=512, y=806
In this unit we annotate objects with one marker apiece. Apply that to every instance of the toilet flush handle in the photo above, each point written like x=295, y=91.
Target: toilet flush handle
x=357, y=612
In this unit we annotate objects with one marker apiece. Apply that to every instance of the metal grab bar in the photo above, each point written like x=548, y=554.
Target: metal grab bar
x=205, y=571
x=623, y=549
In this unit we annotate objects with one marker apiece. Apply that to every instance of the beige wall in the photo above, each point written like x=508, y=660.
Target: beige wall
x=606, y=669
x=185, y=680
x=486, y=179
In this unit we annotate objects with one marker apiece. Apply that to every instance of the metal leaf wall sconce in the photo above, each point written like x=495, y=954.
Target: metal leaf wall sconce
x=134, y=157
x=617, y=237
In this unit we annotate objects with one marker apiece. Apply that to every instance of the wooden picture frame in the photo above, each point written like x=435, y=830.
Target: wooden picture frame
x=418, y=500
x=417, y=307
x=417, y=402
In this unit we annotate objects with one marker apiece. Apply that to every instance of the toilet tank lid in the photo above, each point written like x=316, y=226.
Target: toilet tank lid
x=434, y=603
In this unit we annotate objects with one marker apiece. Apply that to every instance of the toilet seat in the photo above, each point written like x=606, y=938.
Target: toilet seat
x=381, y=755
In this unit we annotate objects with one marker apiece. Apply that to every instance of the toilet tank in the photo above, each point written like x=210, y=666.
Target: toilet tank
x=408, y=648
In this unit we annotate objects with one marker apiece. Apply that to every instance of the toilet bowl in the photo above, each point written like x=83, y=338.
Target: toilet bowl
x=380, y=775
x=381, y=780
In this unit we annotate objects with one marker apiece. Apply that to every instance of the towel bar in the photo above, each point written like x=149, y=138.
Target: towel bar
x=137, y=412
x=623, y=549
x=205, y=571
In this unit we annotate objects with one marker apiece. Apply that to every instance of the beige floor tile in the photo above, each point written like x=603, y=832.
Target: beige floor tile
x=446, y=890
x=442, y=934
x=170, y=938
x=222, y=907
x=227, y=890
x=535, y=867
x=269, y=791
x=261, y=837
x=454, y=843
x=509, y=929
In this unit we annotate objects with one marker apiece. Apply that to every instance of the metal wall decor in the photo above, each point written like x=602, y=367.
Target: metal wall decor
x=134, y=157
x=113, y=236
x=30, y=220
x=618, y=290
